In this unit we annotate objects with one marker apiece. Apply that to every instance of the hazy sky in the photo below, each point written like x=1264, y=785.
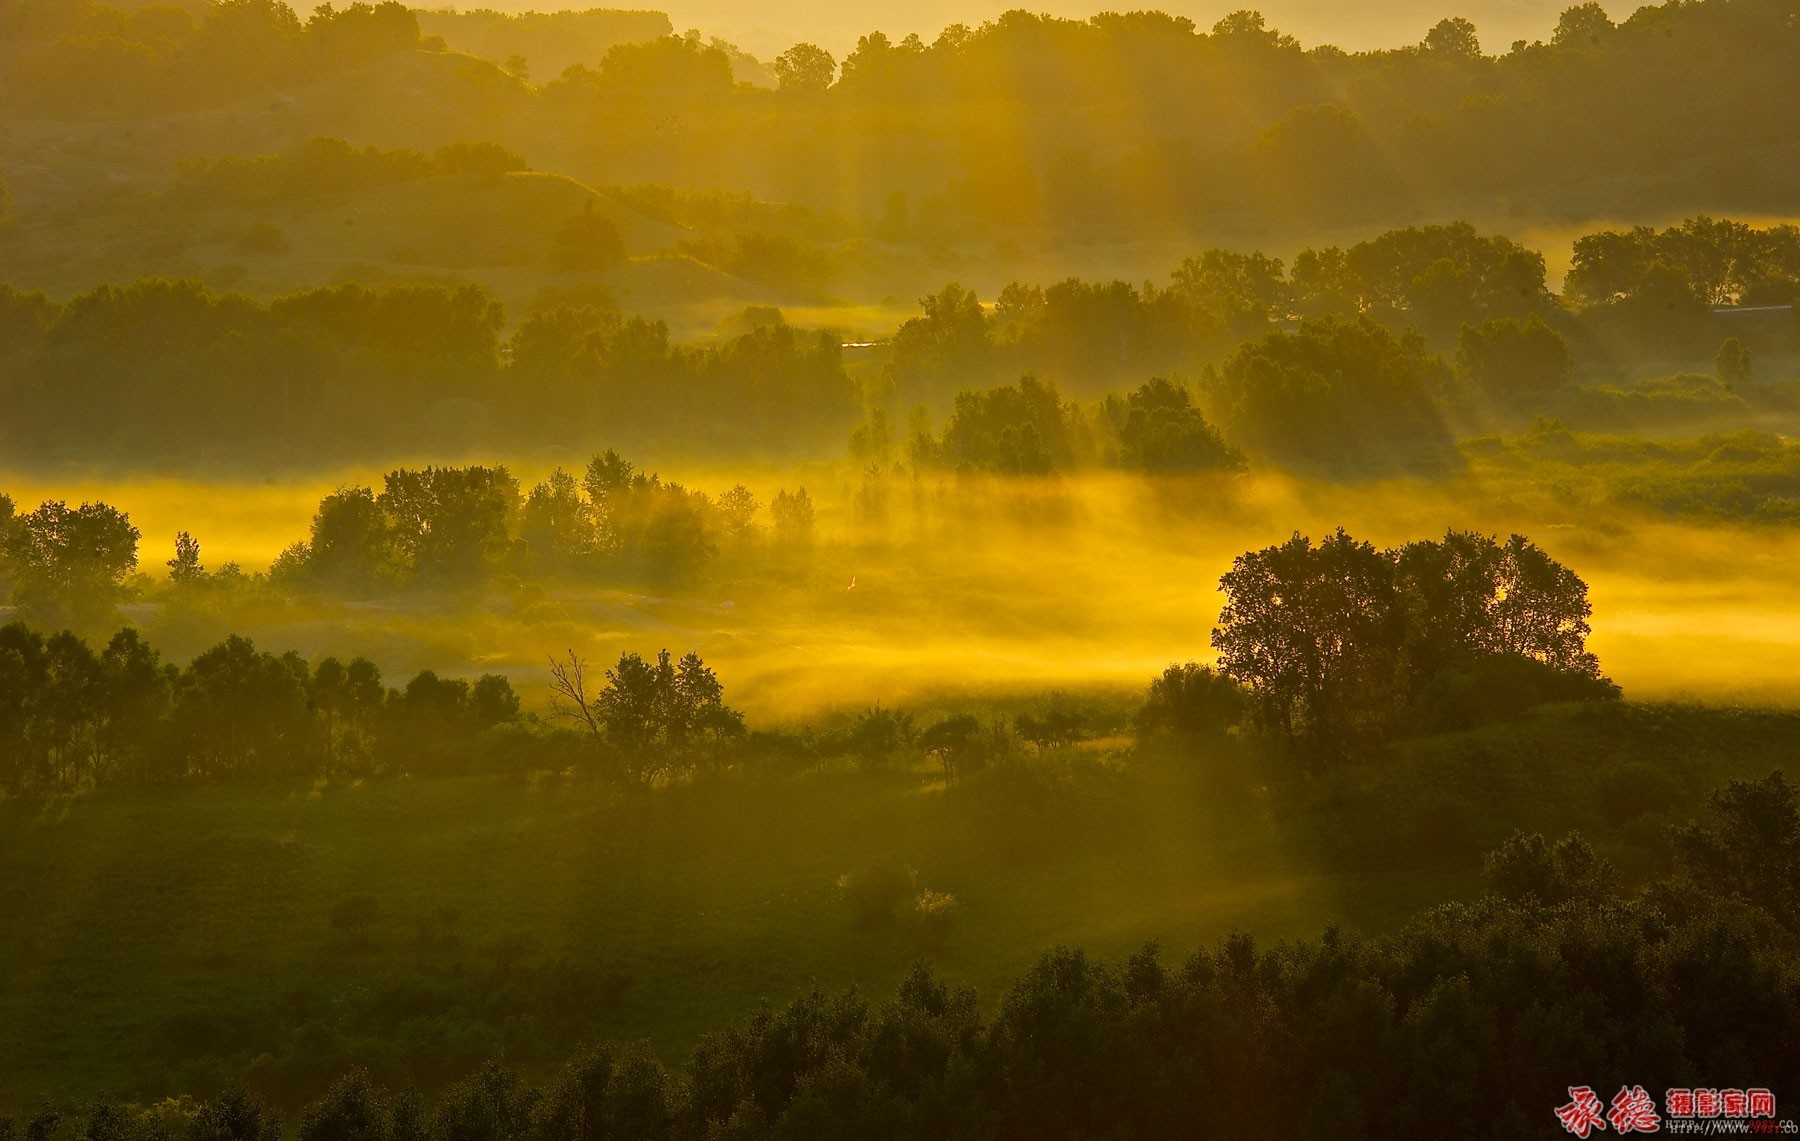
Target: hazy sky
x=766, y=29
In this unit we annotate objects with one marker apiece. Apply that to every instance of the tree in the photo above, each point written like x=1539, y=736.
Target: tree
x=587, y=242
x=569, y=696
x=1528, y=867
x=805, y=67
x=656, y=713
x=793, y=515
x=1023, y=429
x=450, y=526
x=1334, y=394
x=951, y=334
x=1453, y=38
x=238, y=711
x=135, y=694
x=557, y=525
x=1311, y=633
x=955, y=742
x=1515, y=363
x=1339, y=645
x=1585, y=25
x=1731, y=364
x=352, y=544
x=737, y=511
x=1164, y=433
x=69, y=564
x=185, y=568
x=1750, y=847
x=1190, y=701
x=492, y=701
x=234, y=1115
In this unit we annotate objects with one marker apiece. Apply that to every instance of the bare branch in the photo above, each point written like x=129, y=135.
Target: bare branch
x=568, y=693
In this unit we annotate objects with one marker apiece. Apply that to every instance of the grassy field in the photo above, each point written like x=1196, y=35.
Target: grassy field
x=175, y=940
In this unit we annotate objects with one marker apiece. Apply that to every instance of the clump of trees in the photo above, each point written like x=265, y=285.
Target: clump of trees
x=1341, y=645
x=349, y=371
x=1336, y=395
x=327, y=166
x=659, y=721
x=459, y=527
x=1478, y=1012
x=73, y=717
x=1030, y=429
x=63, y=564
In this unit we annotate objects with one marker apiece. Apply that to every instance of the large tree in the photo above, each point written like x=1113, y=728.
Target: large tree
x=70, y=564
x=1341, y=644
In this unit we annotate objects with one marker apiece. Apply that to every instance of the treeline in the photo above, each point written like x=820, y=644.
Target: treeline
x=447, y=527
x=1484, y=1014
x=1387, y=349
x=173, y=374
x=73, y=717
x=1031, y=429
x=434, y=529
x=88, y=57
x=1385, y=352
x=1113, y=122
x=327, y=166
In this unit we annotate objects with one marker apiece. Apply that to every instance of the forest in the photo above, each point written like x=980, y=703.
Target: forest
x=565, y=575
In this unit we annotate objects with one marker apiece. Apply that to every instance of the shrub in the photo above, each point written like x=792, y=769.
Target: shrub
x=935, y=912
x=872, y=894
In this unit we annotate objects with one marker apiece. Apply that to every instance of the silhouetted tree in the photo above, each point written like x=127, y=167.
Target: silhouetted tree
x=805, y=67
x=69, y=564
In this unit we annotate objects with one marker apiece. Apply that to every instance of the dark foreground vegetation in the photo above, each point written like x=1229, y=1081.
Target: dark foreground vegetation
x=1480, y=1014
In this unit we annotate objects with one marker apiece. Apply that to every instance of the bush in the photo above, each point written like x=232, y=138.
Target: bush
x=935, y=912
x=587, y=242
x=872, y=894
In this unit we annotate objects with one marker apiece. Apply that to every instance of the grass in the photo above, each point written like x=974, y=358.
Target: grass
x=175, y=940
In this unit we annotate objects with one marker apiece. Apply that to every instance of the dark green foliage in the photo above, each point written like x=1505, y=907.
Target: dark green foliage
x=664, y=718
x=326, y=166
x=586, y=242
x=351, y=371
x=67, y=564
x=71, y=719
x=1527, y=867
x=1335, y=395
x=234, y=1115
x=874, y=894
x=1022, y=430
x=1484, y=1010
x=1163, y=433
x=1190, y=701
x=1513, y=363
x=1719, y=262
x=1731, y=364
x=1750, y=848
x=1343, y=644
